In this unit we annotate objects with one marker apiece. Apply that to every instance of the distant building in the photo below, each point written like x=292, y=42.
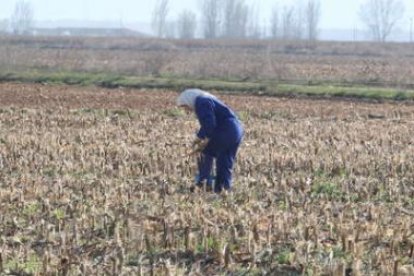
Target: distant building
x=87, y=32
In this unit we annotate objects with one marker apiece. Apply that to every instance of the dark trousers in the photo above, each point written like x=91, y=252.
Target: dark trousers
x=223, y=148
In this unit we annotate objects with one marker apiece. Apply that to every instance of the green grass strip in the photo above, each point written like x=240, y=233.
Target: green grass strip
x=268, y=88
x=374, y=93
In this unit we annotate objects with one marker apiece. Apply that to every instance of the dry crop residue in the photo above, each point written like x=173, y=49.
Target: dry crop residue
x=95, y=181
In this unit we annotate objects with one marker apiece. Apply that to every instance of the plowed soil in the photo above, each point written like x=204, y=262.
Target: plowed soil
x=41, y=96
x=21, y=95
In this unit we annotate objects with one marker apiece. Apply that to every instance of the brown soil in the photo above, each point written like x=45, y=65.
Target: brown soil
x=42, y=96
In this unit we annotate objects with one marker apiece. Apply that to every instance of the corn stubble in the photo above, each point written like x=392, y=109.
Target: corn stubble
x=318, y=191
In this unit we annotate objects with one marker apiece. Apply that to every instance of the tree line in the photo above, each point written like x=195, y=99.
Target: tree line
x=301, y=20
x=236, y=19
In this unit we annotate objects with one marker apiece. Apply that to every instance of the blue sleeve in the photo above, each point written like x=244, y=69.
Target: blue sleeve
x=204, y=109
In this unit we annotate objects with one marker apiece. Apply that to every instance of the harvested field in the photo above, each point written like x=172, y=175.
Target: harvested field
x=349, y=63
x=95, y=181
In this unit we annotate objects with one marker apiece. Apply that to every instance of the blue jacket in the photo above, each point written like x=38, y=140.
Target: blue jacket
x=218, y=123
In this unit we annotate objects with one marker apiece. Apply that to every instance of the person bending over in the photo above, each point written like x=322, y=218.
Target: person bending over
x=218, y=139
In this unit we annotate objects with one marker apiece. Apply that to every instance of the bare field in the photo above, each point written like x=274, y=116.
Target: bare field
x=353, y=63
x=95, y=181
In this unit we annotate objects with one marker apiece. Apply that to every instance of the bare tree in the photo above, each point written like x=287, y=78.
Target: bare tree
x=290, y=23
x=22, y=17
x=159, y=18
x=210, y=12
x=235, y=18
x=381, y=16
x=287, y=22
x=241, y=19
x=228, y=15
x=254, y=29
x=229, y=6
x=312, y=17
x=274, y=22
x=187, y=23
x=299, y=20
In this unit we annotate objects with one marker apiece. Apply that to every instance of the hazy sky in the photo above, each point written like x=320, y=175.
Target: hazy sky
x=335, y=13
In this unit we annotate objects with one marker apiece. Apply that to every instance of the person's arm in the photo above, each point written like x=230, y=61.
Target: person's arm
x=198, y=145
x=204, y=109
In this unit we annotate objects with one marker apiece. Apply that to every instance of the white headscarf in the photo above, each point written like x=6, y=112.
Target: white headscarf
x=189, y=96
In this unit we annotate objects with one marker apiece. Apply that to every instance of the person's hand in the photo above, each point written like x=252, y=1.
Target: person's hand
x=198, y=145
